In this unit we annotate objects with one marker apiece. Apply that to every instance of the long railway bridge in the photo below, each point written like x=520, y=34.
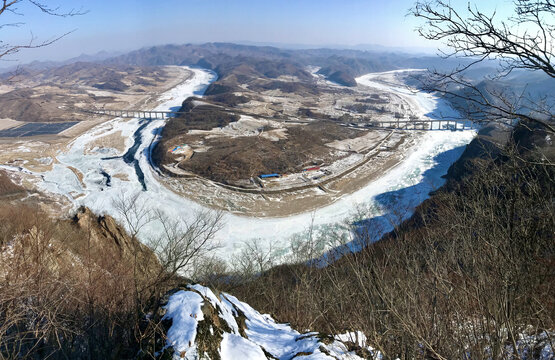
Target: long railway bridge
x=139, y=114
x=422, y=124
x=398, y=124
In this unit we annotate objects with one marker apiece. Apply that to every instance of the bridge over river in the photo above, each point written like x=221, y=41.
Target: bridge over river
x=422, y=124
x=139, y=114
x=399, y=124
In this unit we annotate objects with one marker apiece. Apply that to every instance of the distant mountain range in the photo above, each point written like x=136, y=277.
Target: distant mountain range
x=419, y=51
x=38, y=65
x=339, y=65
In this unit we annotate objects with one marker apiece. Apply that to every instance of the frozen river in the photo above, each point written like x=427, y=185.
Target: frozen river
x=107, y=176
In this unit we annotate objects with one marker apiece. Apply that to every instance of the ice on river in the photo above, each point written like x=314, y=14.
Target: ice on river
x=423, y=104
x=385, y=200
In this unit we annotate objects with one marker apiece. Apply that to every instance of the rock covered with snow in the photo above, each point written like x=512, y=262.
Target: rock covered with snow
x=206, y=326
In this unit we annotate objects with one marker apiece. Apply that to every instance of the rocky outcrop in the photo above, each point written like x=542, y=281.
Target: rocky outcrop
x=201, y=324
x=8, y=189
x=108, y=238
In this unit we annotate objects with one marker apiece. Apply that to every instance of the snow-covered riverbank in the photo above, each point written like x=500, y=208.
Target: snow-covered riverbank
x=105, y=177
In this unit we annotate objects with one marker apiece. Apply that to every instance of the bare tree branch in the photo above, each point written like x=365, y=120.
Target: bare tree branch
x=523, y=41
x=7, y=48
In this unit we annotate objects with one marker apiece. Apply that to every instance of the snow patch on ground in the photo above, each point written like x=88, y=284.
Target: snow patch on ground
x=185, y=311
x=236, y=347
x=261, y=334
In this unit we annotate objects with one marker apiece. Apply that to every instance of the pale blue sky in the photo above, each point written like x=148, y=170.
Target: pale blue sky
x=126, y=25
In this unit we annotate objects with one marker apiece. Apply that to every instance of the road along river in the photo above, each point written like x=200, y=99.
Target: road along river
x=97, y=177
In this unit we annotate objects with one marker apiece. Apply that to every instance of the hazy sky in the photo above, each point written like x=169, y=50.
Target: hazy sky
x=123, y=25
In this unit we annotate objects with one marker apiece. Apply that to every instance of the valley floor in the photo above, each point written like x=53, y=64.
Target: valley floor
x=112, y=160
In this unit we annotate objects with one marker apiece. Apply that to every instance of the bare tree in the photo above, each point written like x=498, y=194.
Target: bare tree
x=35, y=301
x=253, y=259
x=523, y=41
x=180, y=246
x=8, y=48
x=183, y=242
x=134, y=212
x=468, y=277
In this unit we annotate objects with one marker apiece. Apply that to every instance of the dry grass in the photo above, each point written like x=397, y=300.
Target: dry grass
x=113, y=141
x=78, y=174
x=7, y=186
x=68, y=287
x=474, y=266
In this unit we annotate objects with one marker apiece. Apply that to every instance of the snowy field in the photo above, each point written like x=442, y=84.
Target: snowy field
x=423, y=104
x=392, y=197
